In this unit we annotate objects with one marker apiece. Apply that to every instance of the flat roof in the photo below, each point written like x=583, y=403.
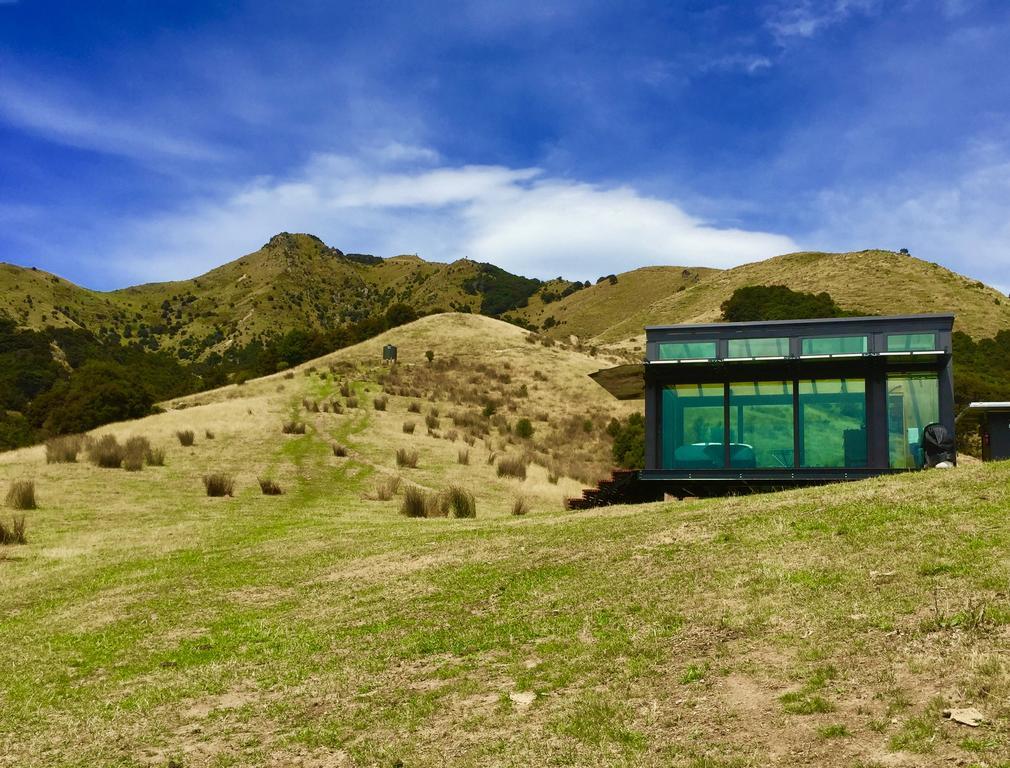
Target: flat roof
x=805, y=321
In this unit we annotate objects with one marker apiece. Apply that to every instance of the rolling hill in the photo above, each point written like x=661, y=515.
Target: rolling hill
x=298, y=282
x=146, y=624
x=868, y=282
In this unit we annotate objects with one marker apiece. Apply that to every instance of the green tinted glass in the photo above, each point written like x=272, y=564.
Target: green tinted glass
x=687, y=350
x=910, y=342
x=832, y=422
x=693, y=426
x=758, y=347
x=834, y=345
x=761, y=424
x=913, y=401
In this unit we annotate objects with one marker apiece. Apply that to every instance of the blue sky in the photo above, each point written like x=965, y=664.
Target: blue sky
x=147, y=141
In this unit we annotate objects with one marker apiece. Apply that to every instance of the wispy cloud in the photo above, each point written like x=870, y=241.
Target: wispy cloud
x=805, y=18
x=49, y=111
x=518, y=218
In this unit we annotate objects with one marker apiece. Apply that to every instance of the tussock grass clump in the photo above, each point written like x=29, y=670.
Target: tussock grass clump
x=106, y=452
x=336, y=407
x=293, y=428
x=431, y=421
x=186, y=437
x=345, y=390
x=208, y=434
x=380, y=403
x=339, y=450
x=269, y=487
x=15, y=532
x=155, y=457
x=460, y=501
x=219, y=484
x=352, y=402
x=463, y=457
x=387, y=488
x=133, y=462
x=415, y=502
x=512, y=466
x=408, y=427
x=492, y=457
x=520, y=506
x=414, y=408
x=63, y=450
x=452, y=435
x=21, y=495
x=553, y=474
x=136, y=448
x=406, y=458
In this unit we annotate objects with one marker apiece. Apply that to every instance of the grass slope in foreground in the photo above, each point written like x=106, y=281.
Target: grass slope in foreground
x=145, y=623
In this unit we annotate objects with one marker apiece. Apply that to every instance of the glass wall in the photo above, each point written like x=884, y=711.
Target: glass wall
x=913, y=401
x=687, y=350
x=832, y=422
x=758, y=347
x=833, y=345
x=693, y=426
x=761, y=424
x=909, y=342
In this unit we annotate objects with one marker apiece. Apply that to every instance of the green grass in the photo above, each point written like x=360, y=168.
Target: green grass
x=144, y=622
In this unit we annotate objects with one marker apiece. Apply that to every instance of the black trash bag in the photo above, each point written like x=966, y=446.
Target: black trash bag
x=938, y=445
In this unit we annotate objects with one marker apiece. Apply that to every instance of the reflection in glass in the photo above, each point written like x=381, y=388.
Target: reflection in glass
x=909, y=342
x=834, y=345
x=761, y=424
x=832, y=422
x=913, y=401
x=693, y=426
x=758, y=347
x=687, y=350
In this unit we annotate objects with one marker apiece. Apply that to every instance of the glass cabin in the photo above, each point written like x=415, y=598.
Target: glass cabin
x=774, y=404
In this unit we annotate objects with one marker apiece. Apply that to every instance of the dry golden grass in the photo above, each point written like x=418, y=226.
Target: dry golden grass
x=684, y=634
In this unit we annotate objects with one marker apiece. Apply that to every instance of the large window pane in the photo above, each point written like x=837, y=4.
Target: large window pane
x=832, y=423
x=910, y=342
x=913, y=401
x=758, y=347
x=761, y=424
x=687, y=350
x=834, y=345
x=693, y=426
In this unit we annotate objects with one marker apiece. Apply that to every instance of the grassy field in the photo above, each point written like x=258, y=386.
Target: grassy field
x=145, y=624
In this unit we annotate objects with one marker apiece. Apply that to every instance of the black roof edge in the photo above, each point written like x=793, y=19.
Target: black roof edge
x=804, y=321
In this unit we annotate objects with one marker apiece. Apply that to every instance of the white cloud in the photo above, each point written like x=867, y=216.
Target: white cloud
x=805, y=18
x=520, y=219
x=52, y=113
x=959, y=221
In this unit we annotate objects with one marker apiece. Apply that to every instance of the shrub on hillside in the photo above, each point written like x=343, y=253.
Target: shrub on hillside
x=63, y=450
x=21, y=495
x=106, y=452
x=415, y=502
x=510, y=466
x=269, y=487
x=15, y=533
x=406, y=458
x=218, y=484
x=387, y=488
x=777, y=302
x=524, y=429
x=629, y=441
x=460, y=501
